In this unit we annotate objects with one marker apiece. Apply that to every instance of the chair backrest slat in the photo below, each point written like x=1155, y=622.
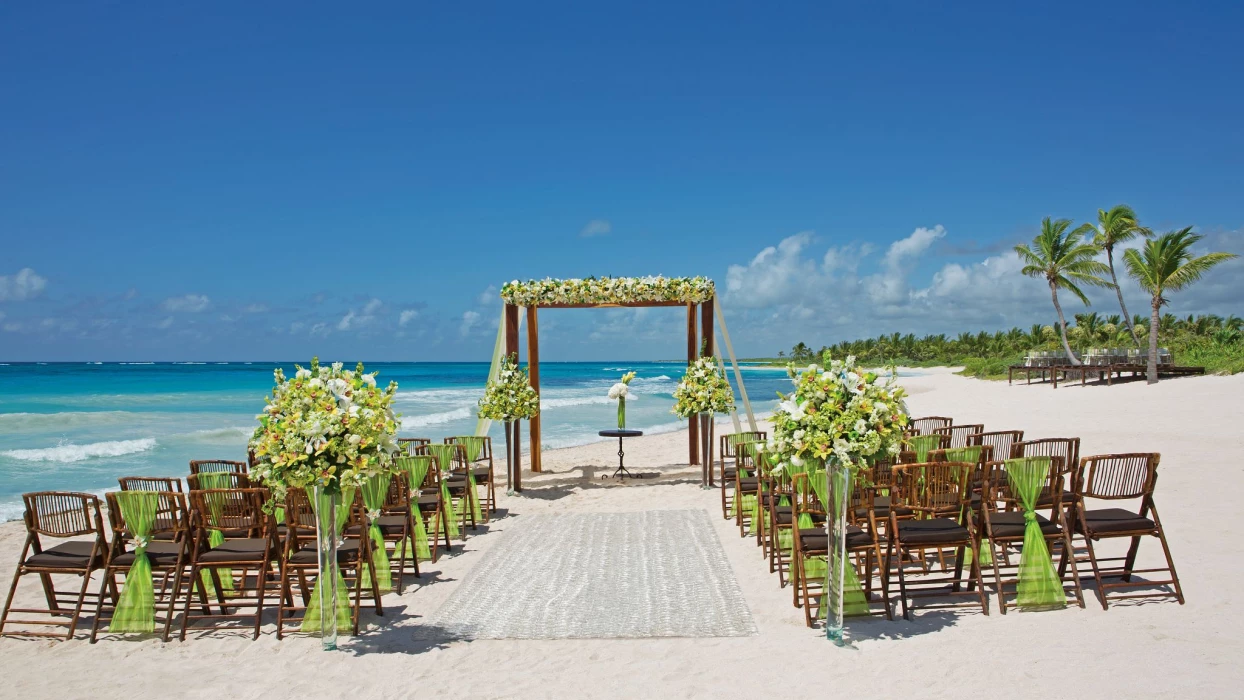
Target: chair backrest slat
x=63, y=513
x=150, y=483
x=1000, y=440
x=927, y=424
x=1066, y=448
x=203, y=466
x=959, y=433
x=1118, y=476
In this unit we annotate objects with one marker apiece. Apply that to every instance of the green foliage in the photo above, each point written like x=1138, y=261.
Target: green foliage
x=1210, y=341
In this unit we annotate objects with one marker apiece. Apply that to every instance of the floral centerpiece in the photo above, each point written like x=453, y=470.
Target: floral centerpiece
x=608, y=290
x=838, y=412
x=620, y=392
x=839, y=417
x=703, y=389
x=509, y=397
x=702, y=392
x=327, y=427
x=331, y=431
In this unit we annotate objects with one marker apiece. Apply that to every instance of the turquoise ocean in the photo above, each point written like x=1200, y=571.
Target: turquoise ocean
x=79, y=426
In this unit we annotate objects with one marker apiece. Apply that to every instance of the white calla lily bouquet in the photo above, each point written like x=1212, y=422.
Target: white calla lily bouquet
x=838, y=412
x=327, y=426
x=620, y=392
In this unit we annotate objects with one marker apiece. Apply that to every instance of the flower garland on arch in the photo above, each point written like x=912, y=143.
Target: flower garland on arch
x=327, y=427
x=838, y=411
x=609, y=290
x=703, y=389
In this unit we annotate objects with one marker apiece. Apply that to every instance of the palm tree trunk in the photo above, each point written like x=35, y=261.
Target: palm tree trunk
x=1062, y=325
x=1152, y=372
x=1126, y=317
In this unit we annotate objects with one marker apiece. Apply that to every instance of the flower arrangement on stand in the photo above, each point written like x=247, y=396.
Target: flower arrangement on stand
x=329, y=430
x=838, y=420
x=509, y=397
x=703, y=392
x=620, y=392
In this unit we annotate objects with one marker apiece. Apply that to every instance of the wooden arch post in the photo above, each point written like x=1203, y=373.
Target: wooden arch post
x=511, y=348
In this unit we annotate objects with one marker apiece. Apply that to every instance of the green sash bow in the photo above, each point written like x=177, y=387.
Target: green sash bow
x=135, y=610
x=1039, y=586
x=374, y=491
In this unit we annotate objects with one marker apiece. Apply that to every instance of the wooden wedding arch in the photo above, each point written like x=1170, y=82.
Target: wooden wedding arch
x=696, y=294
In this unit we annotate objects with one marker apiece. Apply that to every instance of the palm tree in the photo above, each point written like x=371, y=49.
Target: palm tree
x=1064, y=260
x=1166, y=264
x=1114, y=226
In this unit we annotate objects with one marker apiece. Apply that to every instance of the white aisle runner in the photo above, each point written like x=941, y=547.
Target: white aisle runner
x=658, y=573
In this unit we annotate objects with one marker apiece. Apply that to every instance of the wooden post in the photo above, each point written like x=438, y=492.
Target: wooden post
x=533, y=369
x=511, y=348
x=707, y=348
x=693, y=351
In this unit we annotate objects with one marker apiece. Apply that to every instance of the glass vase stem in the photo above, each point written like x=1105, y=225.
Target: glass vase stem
x=326, y=505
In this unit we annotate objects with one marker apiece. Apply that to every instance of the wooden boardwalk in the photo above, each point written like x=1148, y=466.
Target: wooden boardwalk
x=1107, y=373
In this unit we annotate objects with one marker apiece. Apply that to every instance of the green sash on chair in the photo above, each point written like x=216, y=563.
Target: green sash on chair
x=473, y=445
x=748, y=502
x=444, y=455
x=135, y=611
x=215, y=538
x=416, y=469
x=374, y=491
x=923, y=444
x=311, y=618
x=972, y=454
x=1039, y=586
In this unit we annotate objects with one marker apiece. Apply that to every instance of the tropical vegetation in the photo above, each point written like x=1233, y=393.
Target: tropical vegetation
x=1209, y=341
x=1165, y=265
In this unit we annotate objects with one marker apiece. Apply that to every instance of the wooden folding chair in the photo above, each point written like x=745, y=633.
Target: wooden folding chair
x=407, y=445
x=1004, y=525
x=451, y=475
x=57, y=515
x=249, y=544
x=939, y=495
x=1114, y=478
x=483, y=475
x=728, y=463
x=1066, y=449
x=167, y=553
x=218, y=480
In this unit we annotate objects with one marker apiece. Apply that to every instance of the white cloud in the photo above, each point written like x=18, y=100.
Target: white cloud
x=488, y=297
x=596, y=227
x=164, y=322
x=353, y=320
x=190, y=303
x=26, y=284
x=407, y=316
x=470, y=319
x=254, y=308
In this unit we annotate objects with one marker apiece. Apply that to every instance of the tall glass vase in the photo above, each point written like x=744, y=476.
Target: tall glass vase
x=706, y=450
x=621, y=413
x=327, y=503
x=839, y=487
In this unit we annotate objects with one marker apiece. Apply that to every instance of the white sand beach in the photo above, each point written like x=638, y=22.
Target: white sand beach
x=1156, y=649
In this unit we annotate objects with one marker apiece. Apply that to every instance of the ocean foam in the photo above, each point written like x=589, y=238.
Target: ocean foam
x=436, y=418
x=79, y=453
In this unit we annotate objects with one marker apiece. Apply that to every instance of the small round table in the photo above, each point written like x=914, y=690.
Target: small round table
x=621, y=471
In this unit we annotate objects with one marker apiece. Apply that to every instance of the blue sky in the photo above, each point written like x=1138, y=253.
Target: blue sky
x=261, y=181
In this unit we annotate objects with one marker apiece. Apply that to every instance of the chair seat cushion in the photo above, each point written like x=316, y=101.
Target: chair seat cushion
x=816, y=540
x=931, y=531
x=1011, y=524
x=1107, y=520
x=749, y=484
x=67, y=555
x=388, y=524
x=428, y=500
x=881, y=509
x=347, y=552
x=243, y=550
x=728, y=473
x=158, y=553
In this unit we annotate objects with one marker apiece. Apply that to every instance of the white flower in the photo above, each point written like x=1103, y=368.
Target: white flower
x=302, y=373
x=860, y=426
